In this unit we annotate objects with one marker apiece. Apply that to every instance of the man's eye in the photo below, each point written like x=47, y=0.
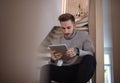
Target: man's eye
x=63, y=28
x=68, y=27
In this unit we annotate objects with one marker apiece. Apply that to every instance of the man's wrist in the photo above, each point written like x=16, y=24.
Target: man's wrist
x=52, y=60
x=77, y=51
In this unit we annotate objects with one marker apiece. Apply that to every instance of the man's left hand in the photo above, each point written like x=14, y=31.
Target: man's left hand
x=70, y=52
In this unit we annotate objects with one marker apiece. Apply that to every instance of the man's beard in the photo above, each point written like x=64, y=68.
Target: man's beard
x=67, y=35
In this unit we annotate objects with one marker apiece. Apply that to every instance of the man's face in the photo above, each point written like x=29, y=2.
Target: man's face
x=67, y=27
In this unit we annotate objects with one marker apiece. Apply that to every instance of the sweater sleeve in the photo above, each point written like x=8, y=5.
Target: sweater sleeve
x=87, y=47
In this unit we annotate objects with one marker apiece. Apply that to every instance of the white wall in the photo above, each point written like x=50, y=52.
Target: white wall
x=107, y=25
x=50, y=10
x=23, y=25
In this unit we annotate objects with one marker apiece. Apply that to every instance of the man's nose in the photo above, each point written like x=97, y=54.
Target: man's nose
x=66, y=31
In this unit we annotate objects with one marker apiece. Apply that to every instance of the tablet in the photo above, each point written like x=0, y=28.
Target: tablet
x=62, y=48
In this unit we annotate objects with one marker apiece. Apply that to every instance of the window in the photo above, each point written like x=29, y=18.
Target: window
x=107, y=67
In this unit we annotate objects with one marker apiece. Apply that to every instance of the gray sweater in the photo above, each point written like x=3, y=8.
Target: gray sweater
x=80, y=40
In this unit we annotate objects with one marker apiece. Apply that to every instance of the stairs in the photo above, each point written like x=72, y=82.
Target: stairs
x=53, y=34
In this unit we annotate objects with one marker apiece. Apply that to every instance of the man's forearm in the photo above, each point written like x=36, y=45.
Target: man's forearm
x=80, y=52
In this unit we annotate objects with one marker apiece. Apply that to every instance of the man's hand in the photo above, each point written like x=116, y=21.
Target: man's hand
x=55, y=55
x=70, y=52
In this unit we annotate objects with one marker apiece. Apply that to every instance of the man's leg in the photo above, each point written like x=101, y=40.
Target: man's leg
x=86, y=69
x=63, y=74
x=59, y=74
x=44, y=74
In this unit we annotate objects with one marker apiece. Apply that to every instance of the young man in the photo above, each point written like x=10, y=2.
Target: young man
x=78, y=64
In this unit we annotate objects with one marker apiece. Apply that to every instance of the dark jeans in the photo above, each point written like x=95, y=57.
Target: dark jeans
x=78, y=73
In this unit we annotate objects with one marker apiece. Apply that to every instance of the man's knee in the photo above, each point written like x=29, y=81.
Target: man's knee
x=45, y=68
x=90, y=59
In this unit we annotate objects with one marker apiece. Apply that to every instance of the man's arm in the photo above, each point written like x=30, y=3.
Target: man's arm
x=87, y=47
x=55, y=56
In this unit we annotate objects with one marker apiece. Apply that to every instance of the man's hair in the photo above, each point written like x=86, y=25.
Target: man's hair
x=66, y=17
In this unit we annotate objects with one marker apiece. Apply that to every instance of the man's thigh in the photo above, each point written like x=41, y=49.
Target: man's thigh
x=63, y=73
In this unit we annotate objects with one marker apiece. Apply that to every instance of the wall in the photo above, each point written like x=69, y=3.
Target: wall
x=107, y=23
x=23, y=25
x=115, y=5
x=49, y=12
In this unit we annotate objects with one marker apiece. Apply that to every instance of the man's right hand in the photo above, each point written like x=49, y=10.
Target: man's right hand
x=55, y=55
